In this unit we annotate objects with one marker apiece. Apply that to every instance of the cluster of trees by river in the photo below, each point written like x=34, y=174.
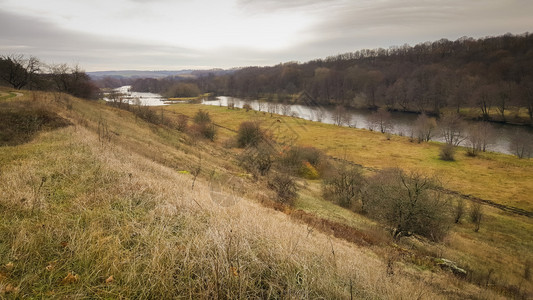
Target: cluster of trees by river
x=493, y=75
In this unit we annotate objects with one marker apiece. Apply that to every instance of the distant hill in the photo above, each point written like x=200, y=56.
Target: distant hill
x=133, y=74
x=137, y=74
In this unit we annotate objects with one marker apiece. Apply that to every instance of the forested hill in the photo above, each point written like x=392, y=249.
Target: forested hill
x=492, y=75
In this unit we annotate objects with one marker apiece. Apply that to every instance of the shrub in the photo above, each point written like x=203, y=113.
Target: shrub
x=202, y=117
x=408, y=204
x=285, y=187
x=343, y=186
x=447, y=152
x=207, y=130
x=204, y=126
x=297, y=160
x=249, y=134
x=258, y=160
x=182, y=123
x=459, y=210
x=476, y=214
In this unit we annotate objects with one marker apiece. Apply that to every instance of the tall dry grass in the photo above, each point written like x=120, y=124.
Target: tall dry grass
x=82, y=218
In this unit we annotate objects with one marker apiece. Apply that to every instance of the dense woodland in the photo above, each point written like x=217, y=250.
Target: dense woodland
x=492, y=75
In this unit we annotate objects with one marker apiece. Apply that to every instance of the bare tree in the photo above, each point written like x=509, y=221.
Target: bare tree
x=527, y=98
x=272, y=108
x=341, y=116
x=19, y=71
x=452, y=128
x=320, y=114
x=504, y=98
x=261, y=105
x=484, y=98
x=521, y=145
x=344, y=186
x=408, y=203
x=73, y=81
x=285, y=109
x=116, y=98
x=479, y=136
x=231, y=103
x=381, y=120
x=424, y=127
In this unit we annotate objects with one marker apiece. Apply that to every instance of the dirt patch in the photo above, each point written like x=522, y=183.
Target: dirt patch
x=337, y=229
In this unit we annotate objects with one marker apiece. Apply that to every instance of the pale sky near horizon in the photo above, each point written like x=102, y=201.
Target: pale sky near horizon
x=181, y=34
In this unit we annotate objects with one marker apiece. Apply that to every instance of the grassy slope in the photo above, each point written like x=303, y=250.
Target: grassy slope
x=492, y=176
x=499, y=253
x=111, y=208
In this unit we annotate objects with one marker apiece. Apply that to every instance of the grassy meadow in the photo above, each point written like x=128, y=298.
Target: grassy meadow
x=492, y=176
x=106, y=205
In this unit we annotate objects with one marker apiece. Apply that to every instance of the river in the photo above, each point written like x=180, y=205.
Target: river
x=146, y=99
x=402, y=122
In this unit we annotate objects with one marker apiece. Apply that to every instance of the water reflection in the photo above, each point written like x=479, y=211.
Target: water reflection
x=402, y=122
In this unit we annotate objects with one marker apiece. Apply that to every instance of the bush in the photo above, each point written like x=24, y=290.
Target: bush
x=285, y=187
x=204, y=126
x=182, y=123
x=207, y=130
x=307, y=162
x=459, y=210
x=258, y=160
x=249, y=134
x=447, y=152
x=202, y=117
x=476, y=214
x=343, y=186
x=408, y=204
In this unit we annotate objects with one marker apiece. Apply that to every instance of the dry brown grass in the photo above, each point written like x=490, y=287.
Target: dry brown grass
x=504, y=243
x=86, y=217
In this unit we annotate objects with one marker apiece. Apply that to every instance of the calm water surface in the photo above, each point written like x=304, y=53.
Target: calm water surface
x=402, y=122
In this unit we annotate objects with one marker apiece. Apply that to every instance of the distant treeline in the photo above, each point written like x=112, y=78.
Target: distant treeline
x=491, y=75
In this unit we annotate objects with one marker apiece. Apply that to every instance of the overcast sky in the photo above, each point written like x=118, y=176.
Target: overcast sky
x=180, y=34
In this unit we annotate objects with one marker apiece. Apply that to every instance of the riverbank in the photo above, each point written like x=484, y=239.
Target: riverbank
x=497, y=177
x=402, y=122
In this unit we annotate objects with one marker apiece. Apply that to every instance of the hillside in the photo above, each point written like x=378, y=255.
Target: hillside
x=96, y=202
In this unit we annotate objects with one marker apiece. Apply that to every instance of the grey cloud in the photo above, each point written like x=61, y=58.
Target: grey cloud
x=30, y=36
x=269, y=6
x=20, y=34
x=370, y=24
x=340, y=26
